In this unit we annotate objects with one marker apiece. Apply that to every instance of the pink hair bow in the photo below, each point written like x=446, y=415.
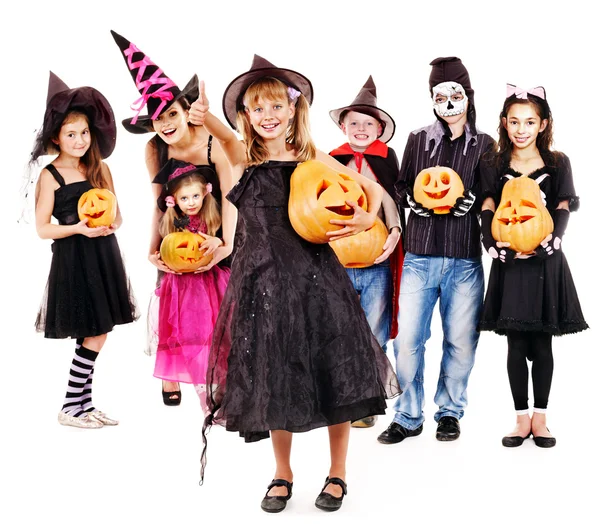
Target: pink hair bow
x=170, y=201
x=521, y=93
x=209, y=188
x=293, y=93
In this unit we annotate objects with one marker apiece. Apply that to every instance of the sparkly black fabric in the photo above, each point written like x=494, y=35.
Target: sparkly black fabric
x=88, y=292
x=291, y=348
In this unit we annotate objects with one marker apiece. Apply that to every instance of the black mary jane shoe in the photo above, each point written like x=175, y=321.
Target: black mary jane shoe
x=544, y=442
x=276, y=503
x=514, y=441
x=448, y=429
x=328, y=502
x=167, y=397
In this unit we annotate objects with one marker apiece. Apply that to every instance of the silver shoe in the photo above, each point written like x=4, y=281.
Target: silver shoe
x=102, y=418
x=85, y=421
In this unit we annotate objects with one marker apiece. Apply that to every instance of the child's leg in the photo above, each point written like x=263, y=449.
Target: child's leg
x=94, y=344
x=339, y=436
x=541, y=375
x=282, y=447
x=518, y=376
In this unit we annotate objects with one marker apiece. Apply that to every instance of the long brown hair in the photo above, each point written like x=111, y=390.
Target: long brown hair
x=92, y=160
x=297, y=134
x=545, y=138
x=210, y=212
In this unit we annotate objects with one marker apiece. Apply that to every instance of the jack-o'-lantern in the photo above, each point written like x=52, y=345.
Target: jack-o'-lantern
x=318, y=194
x=522, y=218
x=182, y=253
x=437, y=188
x=362, y=249
x=99, y=206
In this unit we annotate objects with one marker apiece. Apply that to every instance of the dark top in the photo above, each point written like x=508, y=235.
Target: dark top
x=443, y=235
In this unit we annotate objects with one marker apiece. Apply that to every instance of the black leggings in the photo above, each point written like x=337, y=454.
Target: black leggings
x=537, y=347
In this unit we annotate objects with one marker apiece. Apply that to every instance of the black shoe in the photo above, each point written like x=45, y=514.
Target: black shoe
x=276, y=503
x=448, y=429
x=514, y=441
x=544, y=442
x=396, y=433
x=328, y=502
x=168, y=401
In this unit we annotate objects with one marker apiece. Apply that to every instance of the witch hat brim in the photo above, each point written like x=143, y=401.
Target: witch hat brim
x=61, y=100
x=261, y=68
x=366, y=103
x=144, y=123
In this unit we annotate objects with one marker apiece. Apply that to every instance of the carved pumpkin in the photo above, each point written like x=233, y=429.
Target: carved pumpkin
x=182, y=253
x=99, y=206
x=522, y=218
x=437, y=188
x=318, y=194
x=362, y=249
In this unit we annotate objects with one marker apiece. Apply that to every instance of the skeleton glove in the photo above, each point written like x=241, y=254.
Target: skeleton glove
x=561, y=219
x=463, y=204
x=416, y=207
x=505, y=254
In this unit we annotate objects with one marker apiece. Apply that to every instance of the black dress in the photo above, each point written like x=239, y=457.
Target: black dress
x=88, y=292
x=533, y=294
x=292, y=349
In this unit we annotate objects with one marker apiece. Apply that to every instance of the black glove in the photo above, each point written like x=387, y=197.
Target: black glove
x=416, y=207
x=463, y=204
x=505, y=254
x=561, y=219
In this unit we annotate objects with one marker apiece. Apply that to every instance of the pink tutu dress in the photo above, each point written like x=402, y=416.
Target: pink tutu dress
x=188, y=309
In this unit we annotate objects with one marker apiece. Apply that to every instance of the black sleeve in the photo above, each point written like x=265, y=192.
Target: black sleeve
x=404, y=175
x=489, y=178
x=566, y=188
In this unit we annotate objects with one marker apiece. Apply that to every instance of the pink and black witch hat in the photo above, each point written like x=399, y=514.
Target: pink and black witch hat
x=157, y=90
x=261, y=68
x=60, y=100
x=366, y=103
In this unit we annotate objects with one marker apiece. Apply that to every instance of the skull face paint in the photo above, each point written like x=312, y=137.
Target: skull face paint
x=449, y=99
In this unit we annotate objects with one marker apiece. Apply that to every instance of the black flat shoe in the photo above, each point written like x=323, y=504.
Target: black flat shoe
x=168, y=401
x=396, y=433
x=328, y=502
x=276, y=503
x=515, y=441
x=544, y=442
x=448, y=429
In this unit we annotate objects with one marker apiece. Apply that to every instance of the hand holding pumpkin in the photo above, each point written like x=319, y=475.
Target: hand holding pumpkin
x=360, y=221
x=197, y=111
x=156, y=261
x=389, y=246
x=82, y=228
x=220, y=253
x=463, y=204
x=210, y=245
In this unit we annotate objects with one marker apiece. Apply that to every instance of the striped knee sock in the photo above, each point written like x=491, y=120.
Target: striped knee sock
x=86, y=397
x=81, y=369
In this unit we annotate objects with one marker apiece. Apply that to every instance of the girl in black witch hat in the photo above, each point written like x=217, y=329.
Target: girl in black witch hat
x=292, y=349
x=88, y=292
x=175, y=138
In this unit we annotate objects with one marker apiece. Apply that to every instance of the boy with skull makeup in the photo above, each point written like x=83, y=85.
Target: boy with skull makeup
x=443, y=259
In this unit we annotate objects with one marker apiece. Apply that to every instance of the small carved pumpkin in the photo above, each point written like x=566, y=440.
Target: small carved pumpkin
x=318, y=194
x=99, y=206
x=437, y=188
x=362, y=249
x=522, y=218
x=182, y=253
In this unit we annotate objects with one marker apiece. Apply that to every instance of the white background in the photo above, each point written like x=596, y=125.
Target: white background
x=147, y=469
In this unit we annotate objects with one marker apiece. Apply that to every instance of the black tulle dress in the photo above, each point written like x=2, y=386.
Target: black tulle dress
x=292, y=349
x=533, y=294
x=88, y=292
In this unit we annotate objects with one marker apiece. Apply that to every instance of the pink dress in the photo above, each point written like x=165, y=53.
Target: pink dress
x=188, y=309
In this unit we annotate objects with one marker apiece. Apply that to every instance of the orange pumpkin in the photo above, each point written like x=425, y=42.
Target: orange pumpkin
x=318, y=194
x=437, y=188
x=362, y=249
x=99, y=206
x=522, y=218
x=182, y=253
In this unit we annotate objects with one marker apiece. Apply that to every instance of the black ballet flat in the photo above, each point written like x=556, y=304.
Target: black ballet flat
x=276, y=503
x=168, y=401
x=328, y=502
x=544, y=442
x=514, y=441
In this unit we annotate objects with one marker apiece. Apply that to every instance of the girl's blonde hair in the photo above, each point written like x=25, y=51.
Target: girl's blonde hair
x=297, y=134
x=210, y=212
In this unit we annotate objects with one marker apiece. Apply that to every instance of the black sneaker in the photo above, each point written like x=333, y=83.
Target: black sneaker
x=396, y=433
x=448, y=429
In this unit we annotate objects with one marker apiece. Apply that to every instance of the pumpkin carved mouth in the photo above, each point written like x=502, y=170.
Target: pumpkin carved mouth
x=515, y=219
x=437, y=196
x=96, y=215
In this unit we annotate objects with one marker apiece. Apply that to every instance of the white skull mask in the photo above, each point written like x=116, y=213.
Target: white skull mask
x=449, y=99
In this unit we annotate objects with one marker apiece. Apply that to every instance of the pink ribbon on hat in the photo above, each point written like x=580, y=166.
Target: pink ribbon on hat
x=181, y=170
x=521, y=93
x=144, y=85
x=170, y=201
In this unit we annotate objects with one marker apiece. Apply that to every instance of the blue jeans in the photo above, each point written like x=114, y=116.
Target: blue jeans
x=458, y=283
x=374, y=284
